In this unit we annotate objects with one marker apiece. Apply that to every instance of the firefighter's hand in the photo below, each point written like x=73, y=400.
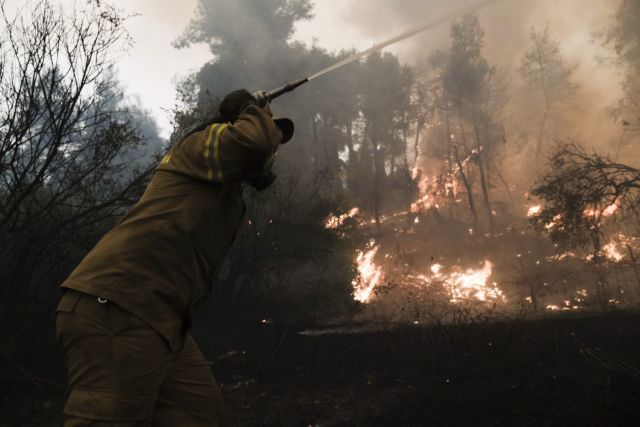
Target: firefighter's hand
x=235, y=103
x=262, y=182
x=266, y=177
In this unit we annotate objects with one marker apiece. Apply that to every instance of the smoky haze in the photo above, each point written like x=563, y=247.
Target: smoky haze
x=442, y=134
x=507, y=24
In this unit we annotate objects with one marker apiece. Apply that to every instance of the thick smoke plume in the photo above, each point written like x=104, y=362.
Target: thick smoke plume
x=507, y=25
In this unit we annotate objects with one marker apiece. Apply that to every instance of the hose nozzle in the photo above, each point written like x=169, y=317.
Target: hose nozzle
x=264, y=97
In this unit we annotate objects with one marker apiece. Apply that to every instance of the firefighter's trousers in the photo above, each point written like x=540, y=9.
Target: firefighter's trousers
x=123, y=373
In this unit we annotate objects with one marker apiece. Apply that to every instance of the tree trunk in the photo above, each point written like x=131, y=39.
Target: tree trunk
x=352, y=166
x=316, y=148
x=407, y=173
x=451, y=198
x=483, y=177
x=416, y=144
x=634, y=263
x=540, y=137
x=467, y=186
x=376, y=180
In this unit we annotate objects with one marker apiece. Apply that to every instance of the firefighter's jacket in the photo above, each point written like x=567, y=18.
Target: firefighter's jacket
x=159, y=260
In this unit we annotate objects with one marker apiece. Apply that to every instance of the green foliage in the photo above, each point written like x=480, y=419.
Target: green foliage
x=466, y=68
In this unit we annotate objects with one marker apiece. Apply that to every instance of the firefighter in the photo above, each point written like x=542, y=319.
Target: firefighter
x=124, y=317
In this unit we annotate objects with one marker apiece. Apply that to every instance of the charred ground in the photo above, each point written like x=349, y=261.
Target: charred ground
x=531, y=372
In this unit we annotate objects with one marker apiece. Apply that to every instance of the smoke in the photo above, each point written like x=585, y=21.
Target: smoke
x=507, y=25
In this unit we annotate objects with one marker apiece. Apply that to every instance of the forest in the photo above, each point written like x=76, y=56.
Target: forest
x=458, y=229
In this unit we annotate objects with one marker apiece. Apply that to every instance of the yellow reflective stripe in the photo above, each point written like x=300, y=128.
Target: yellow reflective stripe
x=207, y=145
x=216, y=151
x=166, y=159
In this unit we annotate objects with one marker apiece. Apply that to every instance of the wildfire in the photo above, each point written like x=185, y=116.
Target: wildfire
x=554, y=223
x=422, y=204
x=611, y=252
x=607, y=212
x=534, y=211
x=575, y=303
x=467, y=285
x=472, y=285
x=369, y=274
x=336, y=221
x=433, y=190
x=561, y=257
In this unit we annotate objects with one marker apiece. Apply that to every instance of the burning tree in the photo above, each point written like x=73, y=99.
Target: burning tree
x=468, y=100
x=585, y=196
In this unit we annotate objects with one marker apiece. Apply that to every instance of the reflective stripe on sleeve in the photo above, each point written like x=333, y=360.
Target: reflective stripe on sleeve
x=207, y=145
x=216, y=150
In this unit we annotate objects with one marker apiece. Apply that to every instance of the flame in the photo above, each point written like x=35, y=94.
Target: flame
x=561, y=257
x=611, y=252
x=433, y=190
x=422, y=204
x=369, y=274
x=554, y=222
x=436, y=268
x=336, y=221
x=534, y=211
x=575, y=303
x=470, y=284
x=607, y=212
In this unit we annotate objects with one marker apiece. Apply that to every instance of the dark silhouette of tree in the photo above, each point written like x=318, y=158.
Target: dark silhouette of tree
x=584, y=196
x=65, y=147
x=73, y=158
x=579, y=192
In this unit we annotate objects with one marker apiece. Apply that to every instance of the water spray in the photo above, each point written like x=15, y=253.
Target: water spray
x=264, y=97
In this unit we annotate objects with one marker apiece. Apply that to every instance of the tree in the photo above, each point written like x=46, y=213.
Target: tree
x=383, y=97
x=623, y=36
x=66, y=144
x=585, y=195
x=467, y=102
x=248, y=41
x=548, y=79
x=72, y=159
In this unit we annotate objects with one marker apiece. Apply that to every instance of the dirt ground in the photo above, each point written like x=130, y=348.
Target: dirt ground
x=548, y=372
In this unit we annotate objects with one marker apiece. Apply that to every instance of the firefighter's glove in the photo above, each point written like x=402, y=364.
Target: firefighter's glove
x=266, y=177
x=235, y=103
x=262, y=182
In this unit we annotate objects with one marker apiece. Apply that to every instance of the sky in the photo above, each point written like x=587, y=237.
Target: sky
x=150, y=69
x=157, y=23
